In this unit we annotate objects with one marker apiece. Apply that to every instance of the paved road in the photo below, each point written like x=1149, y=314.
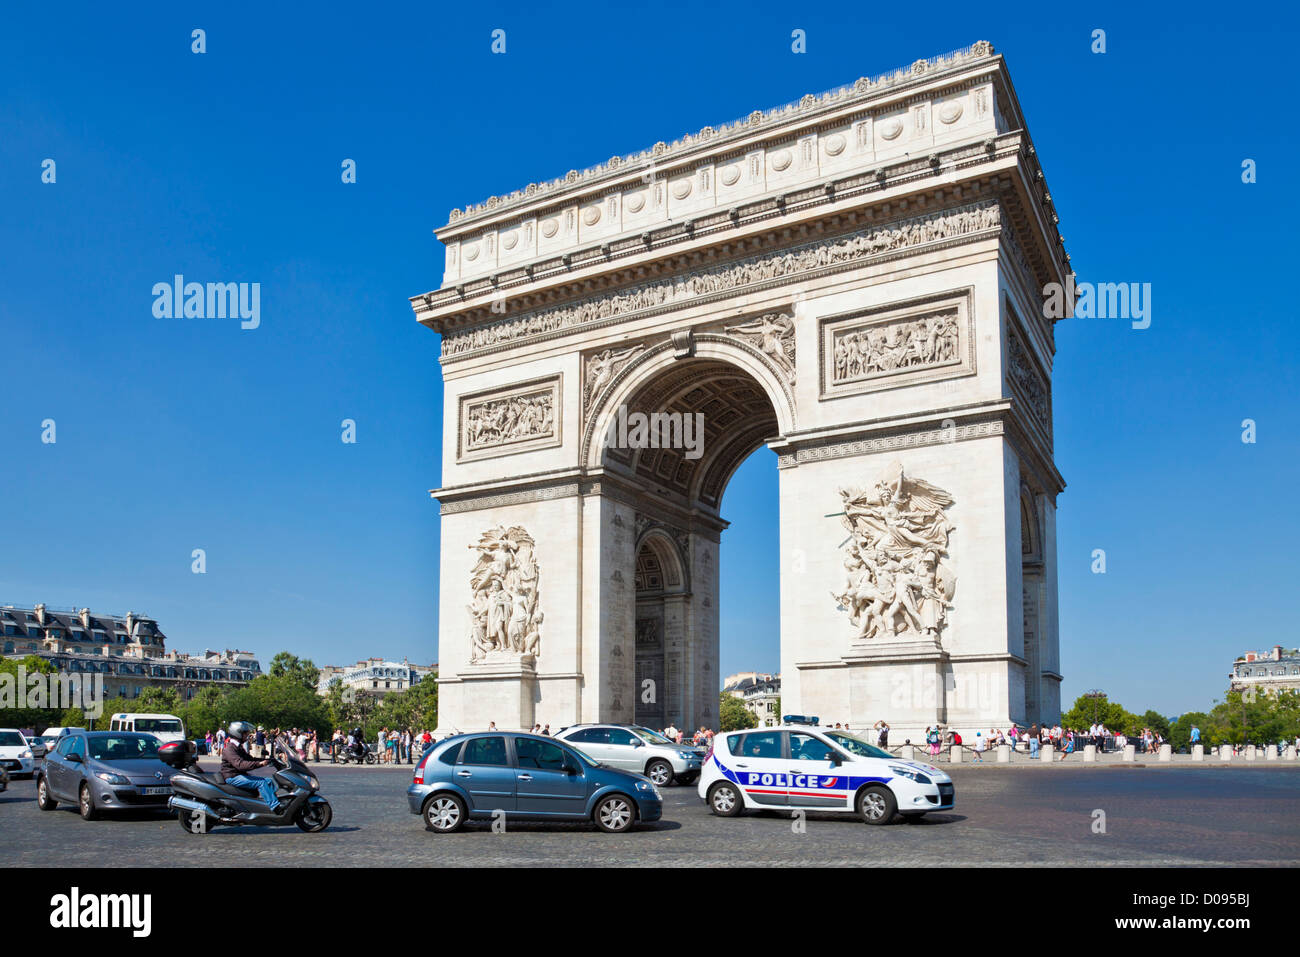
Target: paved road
x=1017, y=816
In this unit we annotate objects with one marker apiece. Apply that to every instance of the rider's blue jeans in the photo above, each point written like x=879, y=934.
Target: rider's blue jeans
x=264, y=786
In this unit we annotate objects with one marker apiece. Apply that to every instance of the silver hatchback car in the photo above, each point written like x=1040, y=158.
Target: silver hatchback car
x=634, y=748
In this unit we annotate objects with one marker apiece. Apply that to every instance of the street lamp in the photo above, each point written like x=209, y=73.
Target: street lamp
x=1098, y=698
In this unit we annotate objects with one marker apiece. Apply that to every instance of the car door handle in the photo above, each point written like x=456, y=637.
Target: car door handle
x=525, y=777
x=464, y=774
x=742, y=765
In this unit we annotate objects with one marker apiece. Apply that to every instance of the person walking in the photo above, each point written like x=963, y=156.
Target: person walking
x=979, y=747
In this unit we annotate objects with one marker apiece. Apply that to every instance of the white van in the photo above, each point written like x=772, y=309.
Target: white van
x=165, y=727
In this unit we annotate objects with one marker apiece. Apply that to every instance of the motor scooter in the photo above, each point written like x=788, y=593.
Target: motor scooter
x=203, y=800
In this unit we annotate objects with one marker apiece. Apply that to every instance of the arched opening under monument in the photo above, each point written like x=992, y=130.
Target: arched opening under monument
x=679, y=523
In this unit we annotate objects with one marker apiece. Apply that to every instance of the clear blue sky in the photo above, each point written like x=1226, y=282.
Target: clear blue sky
x=175, y=435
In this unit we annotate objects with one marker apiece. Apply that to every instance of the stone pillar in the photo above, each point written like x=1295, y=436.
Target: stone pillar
x=954, y=754
x=1045, y=754
x=1089, y=753
x=1290, y=752
x=1225, y=752
x=1250, y=752
x=1004, y=754
x=1166, y=752
x=1270, y=753
x=1130, y=753
x=1198, y=752
x=907, y=752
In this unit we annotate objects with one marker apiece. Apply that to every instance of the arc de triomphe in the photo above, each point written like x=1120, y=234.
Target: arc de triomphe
x=853, y=280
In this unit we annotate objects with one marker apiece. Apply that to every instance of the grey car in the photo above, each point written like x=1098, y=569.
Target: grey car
x=634, y=748
x=101, y=771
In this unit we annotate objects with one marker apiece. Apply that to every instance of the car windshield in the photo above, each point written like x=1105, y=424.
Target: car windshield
x=856, y=745
x=158, y=725
x=123, y=747
x=651, y=737
x=10, y=739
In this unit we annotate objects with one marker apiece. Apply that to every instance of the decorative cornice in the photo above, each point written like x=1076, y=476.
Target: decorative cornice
x=910, y=438
x=757, y=121
x=877, y=243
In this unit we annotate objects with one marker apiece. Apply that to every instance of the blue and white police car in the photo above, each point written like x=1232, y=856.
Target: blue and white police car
x=805, y=768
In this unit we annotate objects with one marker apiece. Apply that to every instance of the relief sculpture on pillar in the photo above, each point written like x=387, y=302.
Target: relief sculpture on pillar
x=504, y=612
x=898, y=585
x=773, y=335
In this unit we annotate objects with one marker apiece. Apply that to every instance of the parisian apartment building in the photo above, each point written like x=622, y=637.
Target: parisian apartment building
x=1267, y=672
x=130, y=651
x=374, y=676
x=760, y=693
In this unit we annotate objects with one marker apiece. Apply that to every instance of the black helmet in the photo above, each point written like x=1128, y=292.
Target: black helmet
x=239, y=730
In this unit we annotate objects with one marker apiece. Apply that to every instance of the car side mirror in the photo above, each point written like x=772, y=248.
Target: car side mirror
x=74, y=758
x=836, y=760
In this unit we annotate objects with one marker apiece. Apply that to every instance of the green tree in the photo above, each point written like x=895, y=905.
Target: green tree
x=733, y=715
x=71, y=718
x=1180, y=732
x=286, y=665
x=111, y=707
x=11, y=694
x=1156, y=722
x=205, y=711
x=277, y=702
x=156, y=700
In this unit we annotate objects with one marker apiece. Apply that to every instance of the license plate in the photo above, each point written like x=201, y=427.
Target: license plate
x=156, y=790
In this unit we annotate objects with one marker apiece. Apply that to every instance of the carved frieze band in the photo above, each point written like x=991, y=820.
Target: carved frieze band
x=811, y=258
x=889, y=443
x=518, y=418
x=1028, y=385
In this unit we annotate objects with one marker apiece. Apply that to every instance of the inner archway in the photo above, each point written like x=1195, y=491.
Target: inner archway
x=675, y=438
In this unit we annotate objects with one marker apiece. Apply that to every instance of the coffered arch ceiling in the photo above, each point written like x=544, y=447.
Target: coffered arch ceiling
x=738, y=418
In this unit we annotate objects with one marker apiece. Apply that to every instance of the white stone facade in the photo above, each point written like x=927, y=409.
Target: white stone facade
x=854, y=281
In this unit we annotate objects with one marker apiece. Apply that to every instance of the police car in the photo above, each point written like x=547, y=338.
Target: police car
x=812, y=769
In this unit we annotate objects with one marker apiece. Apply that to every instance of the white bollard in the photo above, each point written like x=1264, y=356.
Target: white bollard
x=907, y=752
x=1290, y=752
x=1130, y=752
x=954, y=754
x=1271, y=753
x=1250, y=752
x=1166, y=752
x=1004, y=754
x=1045, y=754
x=1198, y=752
x=1225, y=752
x=1089, y=753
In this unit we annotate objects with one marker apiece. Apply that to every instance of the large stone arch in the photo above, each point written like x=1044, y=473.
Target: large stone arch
x=853, y=280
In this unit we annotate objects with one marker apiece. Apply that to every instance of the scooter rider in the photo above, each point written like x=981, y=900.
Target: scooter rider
x=235, y=760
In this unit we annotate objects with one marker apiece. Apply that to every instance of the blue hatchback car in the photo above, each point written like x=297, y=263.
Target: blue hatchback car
x=525, y=776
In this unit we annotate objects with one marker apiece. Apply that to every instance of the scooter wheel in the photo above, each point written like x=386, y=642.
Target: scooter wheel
x=313, y=817
x=192, y=822
x=370, y=759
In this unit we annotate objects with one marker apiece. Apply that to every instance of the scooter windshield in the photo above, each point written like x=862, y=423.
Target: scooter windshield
x=285, y=749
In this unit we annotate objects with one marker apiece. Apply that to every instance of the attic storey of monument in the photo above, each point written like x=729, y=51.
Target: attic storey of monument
x=852, y=281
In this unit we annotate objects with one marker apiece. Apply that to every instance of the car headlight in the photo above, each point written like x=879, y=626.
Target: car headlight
x=910, y=773
x=110, y=778
x=648, y=787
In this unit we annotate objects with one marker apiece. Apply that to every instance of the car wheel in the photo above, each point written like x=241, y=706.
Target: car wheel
x=660, y=772
x=615, y=814
x=725, y=799
x=86, y=804
x=444, y=813
x=876, y=805
x=44, y=800
x=314, y=816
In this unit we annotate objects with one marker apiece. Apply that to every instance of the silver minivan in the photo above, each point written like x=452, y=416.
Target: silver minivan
x=634, y=748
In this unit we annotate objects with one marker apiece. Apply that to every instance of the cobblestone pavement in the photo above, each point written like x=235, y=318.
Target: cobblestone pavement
x=1222, y=816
